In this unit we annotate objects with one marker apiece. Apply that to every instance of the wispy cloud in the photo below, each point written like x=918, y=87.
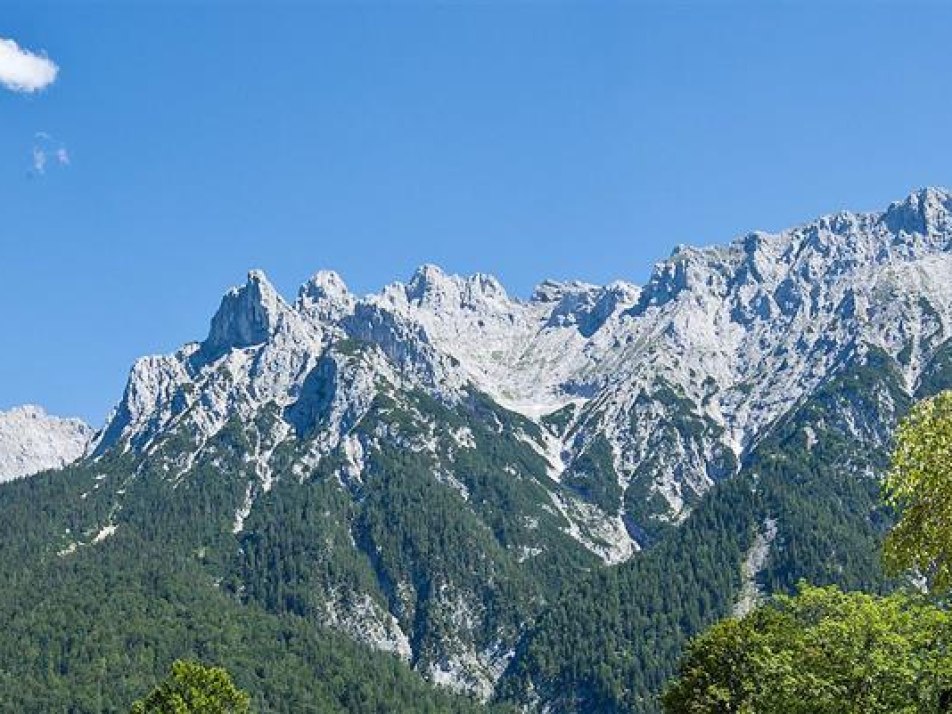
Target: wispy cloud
x=24, y=71
x=39, y=160
x=47, y=151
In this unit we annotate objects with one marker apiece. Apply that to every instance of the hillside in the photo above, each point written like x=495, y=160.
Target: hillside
x=529, y=502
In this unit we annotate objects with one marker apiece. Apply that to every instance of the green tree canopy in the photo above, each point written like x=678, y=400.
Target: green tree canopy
x=193, y=688
x=821, y=652
x=919, y=487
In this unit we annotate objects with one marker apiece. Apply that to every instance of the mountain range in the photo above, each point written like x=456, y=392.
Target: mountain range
x=530, y=502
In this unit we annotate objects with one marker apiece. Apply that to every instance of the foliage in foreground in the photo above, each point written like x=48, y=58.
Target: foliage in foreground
x=919, y=486
x=822, y=651
x=193, y=688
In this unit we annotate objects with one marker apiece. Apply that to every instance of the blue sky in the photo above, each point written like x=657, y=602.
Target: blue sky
x=533, y=140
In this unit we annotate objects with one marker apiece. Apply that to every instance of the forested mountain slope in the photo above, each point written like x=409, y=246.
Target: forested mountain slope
x=530, y=502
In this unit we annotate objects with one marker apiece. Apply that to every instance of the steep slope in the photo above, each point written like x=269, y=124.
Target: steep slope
x=806, y=498
x=91, y=626
x=31, y=441
x=599, y=416
x=532, y=500
x=681, y=377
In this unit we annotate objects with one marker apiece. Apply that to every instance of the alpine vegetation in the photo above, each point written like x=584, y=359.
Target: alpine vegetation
x=530, y=503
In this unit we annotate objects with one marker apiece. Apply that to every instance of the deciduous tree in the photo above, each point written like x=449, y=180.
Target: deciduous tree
x=919, y=487
x=193, y=688
x=820, y=652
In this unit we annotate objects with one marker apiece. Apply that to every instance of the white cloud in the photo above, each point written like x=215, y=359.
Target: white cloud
x=24, y=71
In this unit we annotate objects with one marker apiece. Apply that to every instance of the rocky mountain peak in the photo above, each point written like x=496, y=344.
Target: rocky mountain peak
x=325, y=297
x=432, y=288
x=548, y=291
x=554, y=290
x=32, y=440
x=248, y=315
x=428, y=283
x=927, y=211
x=690, y=370
x=583, y=423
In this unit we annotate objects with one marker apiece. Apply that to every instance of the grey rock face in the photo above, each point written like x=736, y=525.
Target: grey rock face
x=32, y=441
x=604, y=412
x=681, y=377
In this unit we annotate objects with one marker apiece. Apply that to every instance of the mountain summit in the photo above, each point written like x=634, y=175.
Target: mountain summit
x=734, y=335
x=477, y=483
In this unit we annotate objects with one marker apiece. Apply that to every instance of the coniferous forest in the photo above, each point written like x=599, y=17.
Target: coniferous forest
x=91, y=627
